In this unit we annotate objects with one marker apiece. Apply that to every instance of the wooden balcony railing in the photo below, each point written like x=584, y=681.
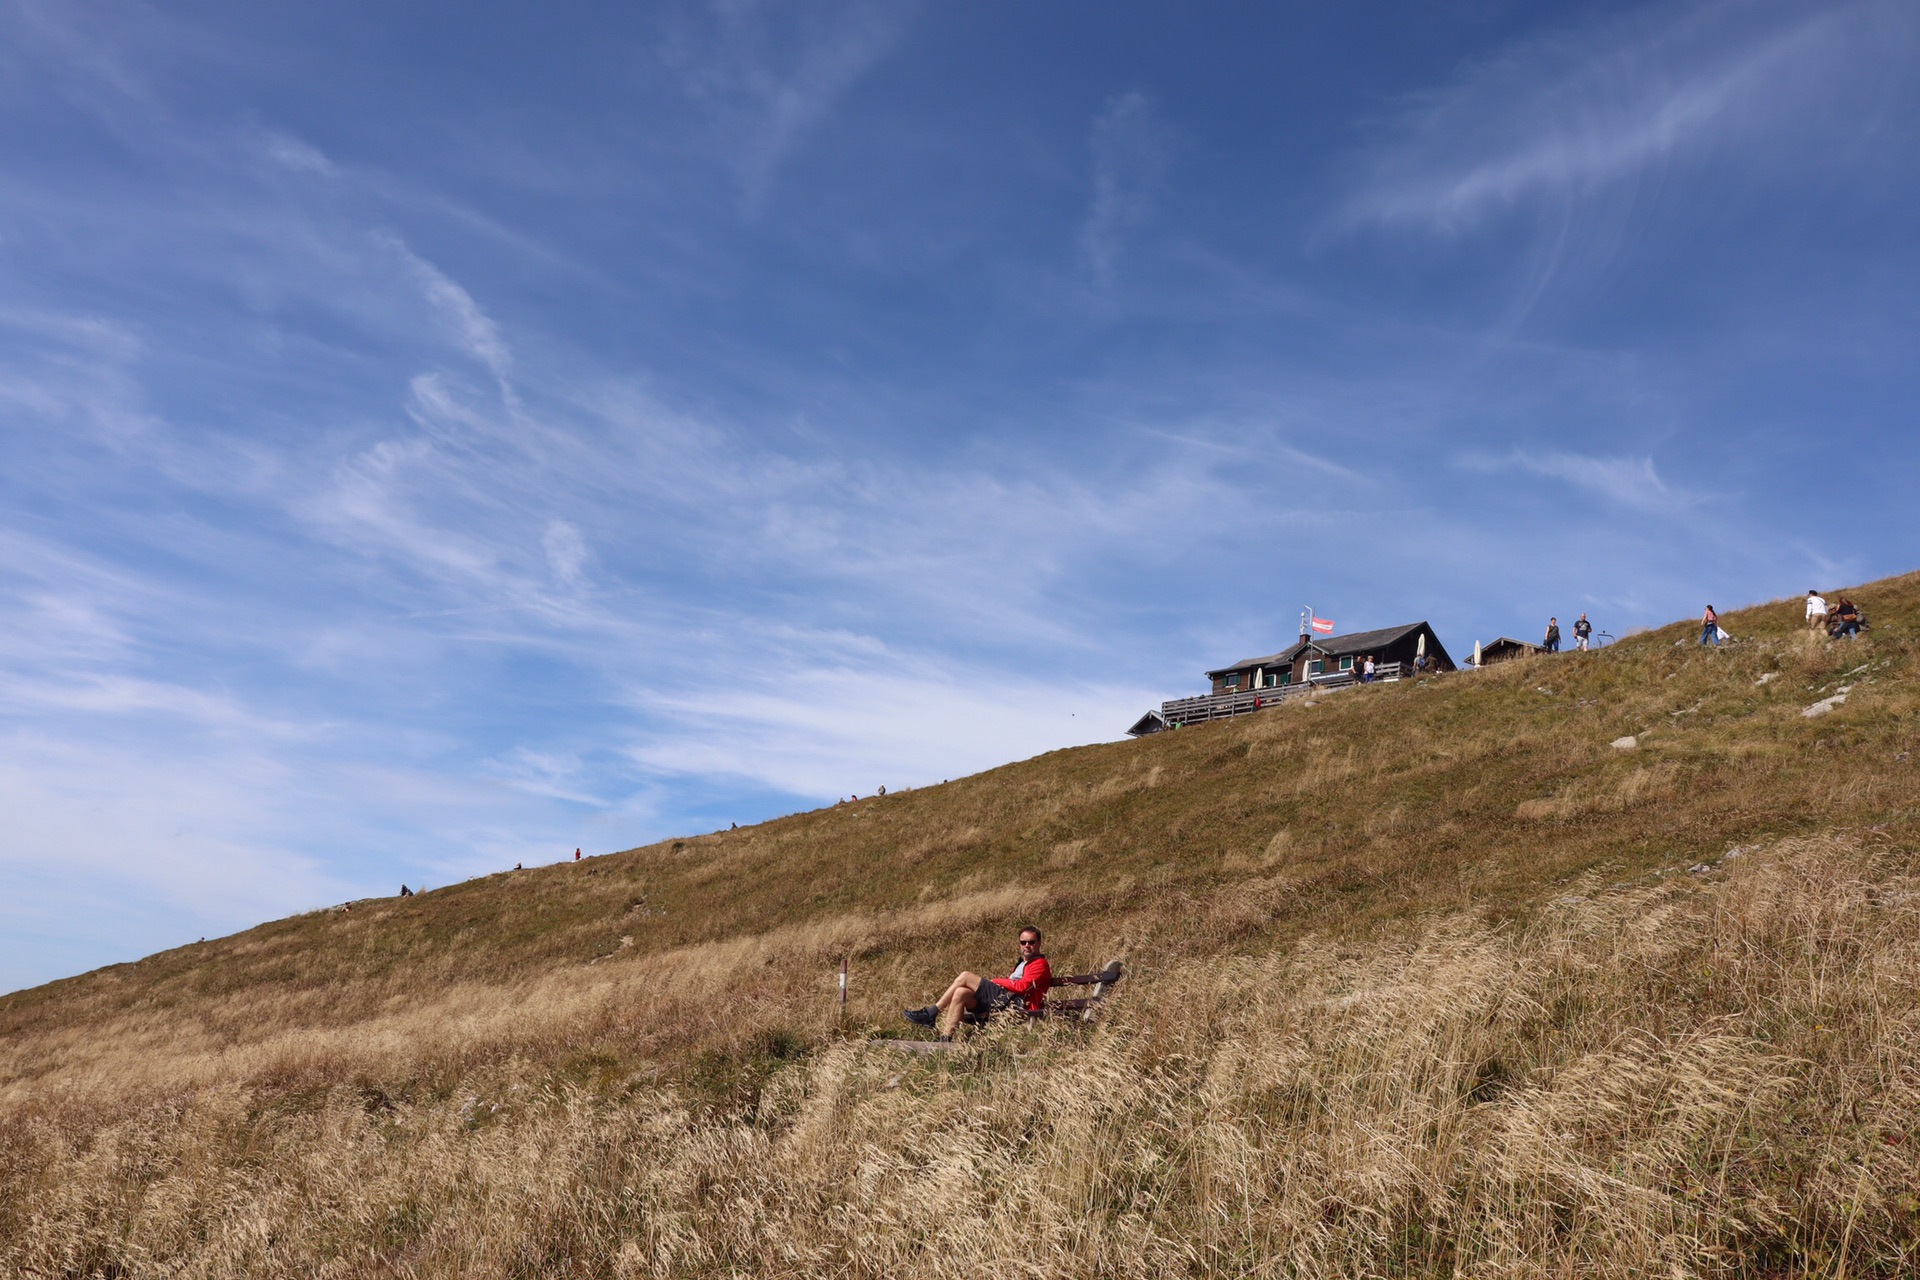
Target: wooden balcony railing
x=1234, y=702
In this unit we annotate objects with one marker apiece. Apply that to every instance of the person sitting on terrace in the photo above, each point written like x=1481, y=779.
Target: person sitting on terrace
x=1029, y=982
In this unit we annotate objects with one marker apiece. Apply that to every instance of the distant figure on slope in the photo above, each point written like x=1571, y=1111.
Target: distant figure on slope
x=516, y=866
x=1420, y=665
x=1710, y=627
x=1029, y=980
x=576, y=855
x=1553, y=635
x=1582, y=630
x=1846, y=619
x=405, y=892
x=1366, y=670
x=1816, y=611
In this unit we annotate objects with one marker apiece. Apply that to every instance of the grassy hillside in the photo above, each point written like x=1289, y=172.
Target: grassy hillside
x=1429, y=979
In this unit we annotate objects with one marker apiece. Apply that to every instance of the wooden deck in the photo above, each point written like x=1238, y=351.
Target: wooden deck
x=1218, y=706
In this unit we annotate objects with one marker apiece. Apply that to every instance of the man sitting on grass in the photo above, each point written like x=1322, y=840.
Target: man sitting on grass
x=1029, y=980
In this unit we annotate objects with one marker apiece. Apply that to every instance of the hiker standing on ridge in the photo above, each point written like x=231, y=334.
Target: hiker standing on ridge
x=1029, y=980
x=1710, y=627
x=1816, y=611
x=1553, y=635
x=1582, y=629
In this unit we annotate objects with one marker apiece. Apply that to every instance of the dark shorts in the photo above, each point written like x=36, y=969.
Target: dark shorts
x=992, y=997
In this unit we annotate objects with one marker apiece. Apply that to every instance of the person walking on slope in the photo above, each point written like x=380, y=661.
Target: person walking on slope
x=1710, y=627
x=1553, y=635
x=1816, y=611
x=1029, y=980
x=1582, y=629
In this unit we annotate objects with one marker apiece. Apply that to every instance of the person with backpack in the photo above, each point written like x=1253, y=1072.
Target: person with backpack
x=1846, y=617
x=1553, y=635
x=1582, y=629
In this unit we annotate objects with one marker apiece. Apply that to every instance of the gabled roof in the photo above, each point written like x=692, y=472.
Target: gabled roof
x=1279, y=659
x=1148, y=723
x=1365, y=641
x=1336, y=647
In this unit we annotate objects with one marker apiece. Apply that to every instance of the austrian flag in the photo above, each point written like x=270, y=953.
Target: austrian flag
x=1323, y=625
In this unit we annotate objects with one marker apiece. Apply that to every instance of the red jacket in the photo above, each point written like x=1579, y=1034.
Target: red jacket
x=1032, y=982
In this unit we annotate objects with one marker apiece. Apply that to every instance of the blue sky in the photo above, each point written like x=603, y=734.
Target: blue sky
x=437, y=436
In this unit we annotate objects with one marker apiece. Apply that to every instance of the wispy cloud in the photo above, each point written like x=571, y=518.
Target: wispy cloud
x=1631, y=482
x=463, y=317
x=839, y=729
x=566, y=551
x=1130, y=149
x=301, y=157
x=1562, y=116
x=769, y=74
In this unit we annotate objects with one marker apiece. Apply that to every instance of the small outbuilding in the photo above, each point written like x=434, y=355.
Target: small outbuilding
x=1146, y=724
x=1506, y=649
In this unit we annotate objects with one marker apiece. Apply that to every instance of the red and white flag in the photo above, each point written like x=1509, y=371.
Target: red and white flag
x=1323, y=625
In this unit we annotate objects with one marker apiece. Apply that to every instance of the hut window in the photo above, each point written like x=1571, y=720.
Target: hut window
x=1233, y=681
x=1316, y=666
x=1346, y=664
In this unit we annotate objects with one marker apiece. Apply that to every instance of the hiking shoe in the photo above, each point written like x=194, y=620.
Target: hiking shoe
x=924, y=1017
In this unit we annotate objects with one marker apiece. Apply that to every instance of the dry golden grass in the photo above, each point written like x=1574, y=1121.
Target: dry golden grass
x=1712, y=1076
x=1422, y=987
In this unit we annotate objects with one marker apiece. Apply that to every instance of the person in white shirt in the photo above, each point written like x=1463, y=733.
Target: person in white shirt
x=1816, y=612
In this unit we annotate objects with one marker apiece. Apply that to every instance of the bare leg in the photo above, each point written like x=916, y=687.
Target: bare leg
x=966, y=983
x=958, y=998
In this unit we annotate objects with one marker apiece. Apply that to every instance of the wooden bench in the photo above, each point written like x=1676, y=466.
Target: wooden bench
x=1080, y=1008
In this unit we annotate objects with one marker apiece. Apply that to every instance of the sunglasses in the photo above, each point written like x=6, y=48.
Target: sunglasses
x=1029, y=942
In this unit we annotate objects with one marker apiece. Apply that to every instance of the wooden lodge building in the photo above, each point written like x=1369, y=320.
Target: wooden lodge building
x=1327, y=662
x=1310, y=657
